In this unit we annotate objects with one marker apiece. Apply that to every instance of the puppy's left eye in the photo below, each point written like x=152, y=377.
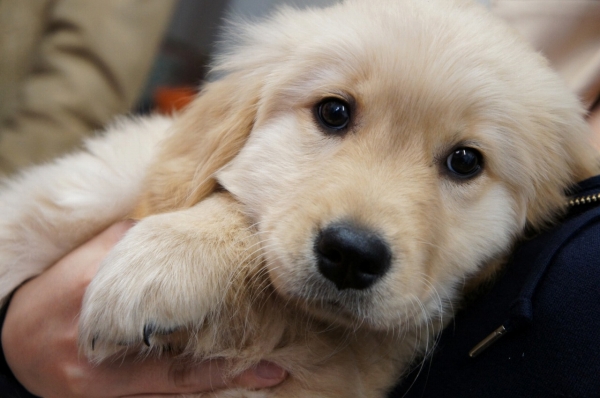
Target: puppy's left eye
x=465, y=162
x=333, y=114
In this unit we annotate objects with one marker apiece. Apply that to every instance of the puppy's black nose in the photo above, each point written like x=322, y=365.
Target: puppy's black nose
x=350, y=256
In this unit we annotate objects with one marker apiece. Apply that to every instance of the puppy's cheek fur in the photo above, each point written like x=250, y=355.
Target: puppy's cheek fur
x=436, y=246
x=422, y=290
x=276, y=157
x=478, y=232
x=486, y=229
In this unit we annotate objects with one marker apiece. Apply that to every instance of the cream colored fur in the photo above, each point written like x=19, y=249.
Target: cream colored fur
x=231, y=272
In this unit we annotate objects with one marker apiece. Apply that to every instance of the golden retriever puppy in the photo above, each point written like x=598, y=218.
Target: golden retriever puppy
x=324, y=204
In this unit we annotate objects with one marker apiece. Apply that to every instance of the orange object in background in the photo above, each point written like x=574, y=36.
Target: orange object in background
x=173, y=99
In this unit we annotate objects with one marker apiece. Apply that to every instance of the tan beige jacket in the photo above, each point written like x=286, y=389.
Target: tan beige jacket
x=67, y=67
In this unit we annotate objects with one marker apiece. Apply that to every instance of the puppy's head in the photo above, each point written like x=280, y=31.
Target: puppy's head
x=388, y=151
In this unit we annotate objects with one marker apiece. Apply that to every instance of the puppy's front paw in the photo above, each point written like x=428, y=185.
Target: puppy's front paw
x=171, y=272
x=143, y=287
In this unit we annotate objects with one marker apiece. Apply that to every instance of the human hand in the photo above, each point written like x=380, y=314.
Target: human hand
x=594, y=120
x=39, y=338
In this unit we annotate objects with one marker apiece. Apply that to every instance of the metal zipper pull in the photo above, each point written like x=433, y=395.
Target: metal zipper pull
x=488, y=341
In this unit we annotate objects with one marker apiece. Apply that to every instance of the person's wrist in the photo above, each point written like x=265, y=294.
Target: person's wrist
x=8, y=382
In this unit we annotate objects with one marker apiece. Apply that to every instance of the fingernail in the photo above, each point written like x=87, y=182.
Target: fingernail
x=269, y=371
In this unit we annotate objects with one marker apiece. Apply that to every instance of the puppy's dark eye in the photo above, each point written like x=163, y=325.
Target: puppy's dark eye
x=464, y=162
x=333, y=113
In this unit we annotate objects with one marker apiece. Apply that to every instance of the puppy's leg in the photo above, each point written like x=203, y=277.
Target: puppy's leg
x=197, y=274
x=48, y=210
x=171, y=271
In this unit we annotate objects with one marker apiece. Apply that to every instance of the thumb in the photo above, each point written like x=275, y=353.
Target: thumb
x=265, y=374
x=212, y=375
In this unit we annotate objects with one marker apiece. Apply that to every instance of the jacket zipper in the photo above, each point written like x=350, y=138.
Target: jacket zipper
x=584, y=200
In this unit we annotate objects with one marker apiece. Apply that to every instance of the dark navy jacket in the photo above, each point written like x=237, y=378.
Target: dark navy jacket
x=548, y=300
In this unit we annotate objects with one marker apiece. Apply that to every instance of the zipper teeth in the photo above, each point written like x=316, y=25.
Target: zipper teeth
x=584, y=200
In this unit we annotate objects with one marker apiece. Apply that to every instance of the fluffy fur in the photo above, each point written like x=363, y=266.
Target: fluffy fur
x=232, y=193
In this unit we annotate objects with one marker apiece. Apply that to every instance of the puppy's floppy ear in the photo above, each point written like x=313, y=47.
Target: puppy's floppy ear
x=214, y=128
x=209, y=134
x=563, y=156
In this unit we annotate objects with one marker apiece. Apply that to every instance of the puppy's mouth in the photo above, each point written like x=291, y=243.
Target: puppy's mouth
x=322, y=299
x=332, y=310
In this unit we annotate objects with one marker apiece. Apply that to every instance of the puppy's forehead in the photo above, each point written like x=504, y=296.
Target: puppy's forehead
x=404, y=55
x=435, y=64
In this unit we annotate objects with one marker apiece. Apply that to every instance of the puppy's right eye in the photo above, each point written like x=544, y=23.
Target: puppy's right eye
x=464, y=162
x=333, y=114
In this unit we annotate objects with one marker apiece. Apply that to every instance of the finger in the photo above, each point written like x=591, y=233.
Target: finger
x=594, y=121
x=156, y=376
x=162, y=376
x=263, y=375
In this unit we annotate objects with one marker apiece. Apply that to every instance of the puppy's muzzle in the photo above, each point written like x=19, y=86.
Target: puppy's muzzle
x=351, y=257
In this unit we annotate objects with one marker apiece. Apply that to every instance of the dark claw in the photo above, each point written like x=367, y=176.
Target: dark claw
x=93, y=343
x=149, y=330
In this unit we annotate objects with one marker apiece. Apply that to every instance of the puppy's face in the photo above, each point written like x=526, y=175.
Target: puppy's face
x=392, y=160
